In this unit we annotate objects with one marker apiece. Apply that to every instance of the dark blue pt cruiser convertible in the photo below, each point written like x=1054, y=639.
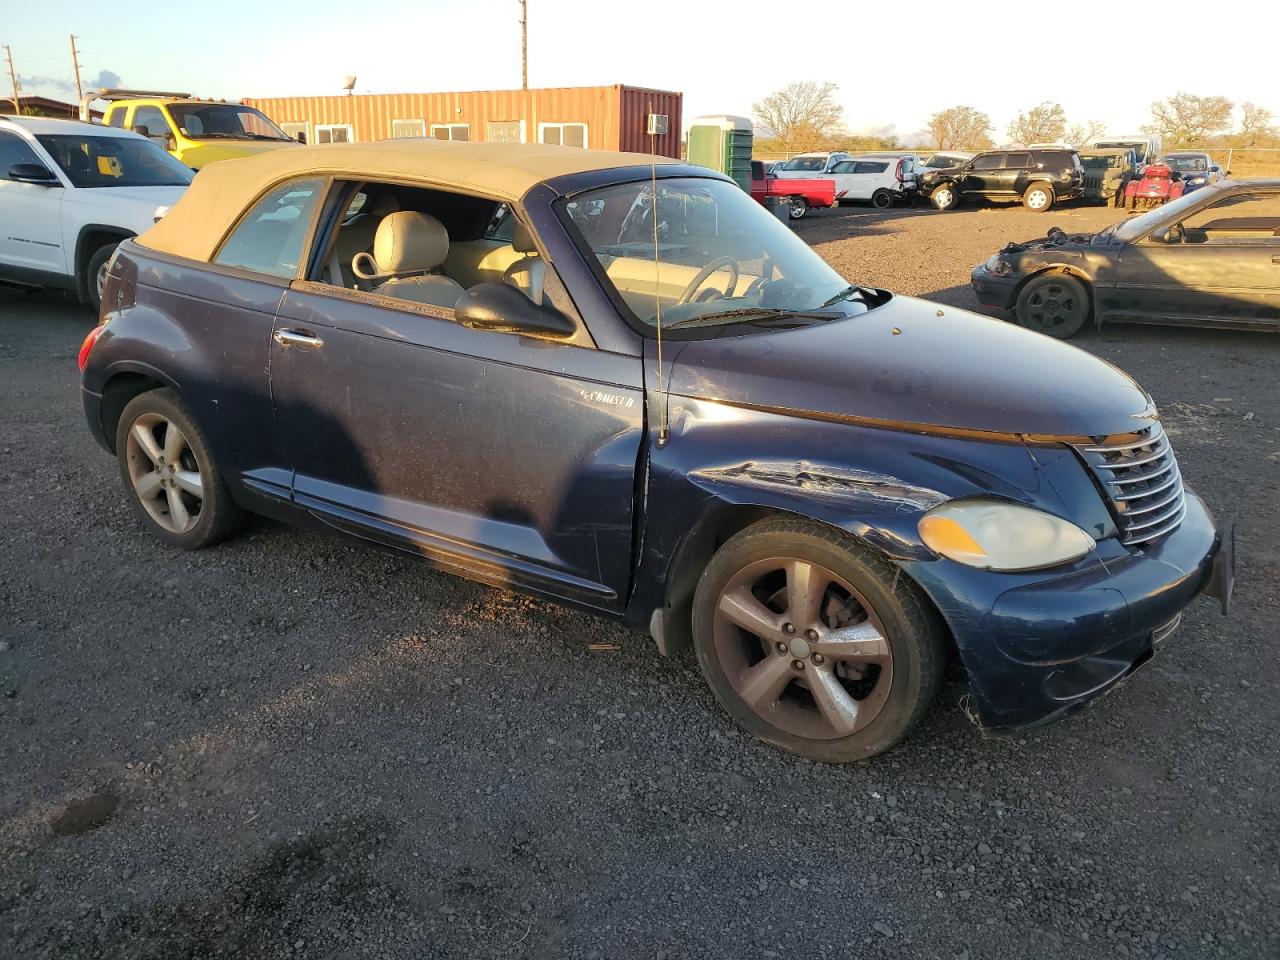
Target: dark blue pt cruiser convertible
x=620, y=383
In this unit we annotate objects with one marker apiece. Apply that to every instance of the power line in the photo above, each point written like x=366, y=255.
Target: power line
x=13, y=78
x=524, y=44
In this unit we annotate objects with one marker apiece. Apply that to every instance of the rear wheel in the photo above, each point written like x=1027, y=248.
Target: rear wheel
x=814, y=643
x=1038, y=198
x=882, y=199
x=944, y=197
x=169, y=472
x=95, y=274
x=799, y=207
x=1054, y=304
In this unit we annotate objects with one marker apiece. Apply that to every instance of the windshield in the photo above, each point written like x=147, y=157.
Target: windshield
x=940, y=160
x=205, y=121
x=807, y=164
x=1186, y=164
x=91, y=161
x=1168, y=213
x=719, y=253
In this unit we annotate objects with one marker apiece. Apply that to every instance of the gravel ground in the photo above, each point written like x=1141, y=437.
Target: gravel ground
x=292, y=746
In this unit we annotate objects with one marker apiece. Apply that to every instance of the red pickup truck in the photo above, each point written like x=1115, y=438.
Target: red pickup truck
x=800, y=193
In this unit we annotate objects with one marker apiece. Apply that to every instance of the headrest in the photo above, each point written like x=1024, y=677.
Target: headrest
x=522, y=239
x=409, y=242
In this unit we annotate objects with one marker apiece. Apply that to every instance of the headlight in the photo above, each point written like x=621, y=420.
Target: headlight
x=994, y=535
x=1195, y=181
x=997, y=267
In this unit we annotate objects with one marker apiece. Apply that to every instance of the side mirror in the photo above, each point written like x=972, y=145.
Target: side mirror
x=501, y=308
x=302, y=136
x=169, y=142
x=142, y=130
x=36, y=173
x=1169, y=234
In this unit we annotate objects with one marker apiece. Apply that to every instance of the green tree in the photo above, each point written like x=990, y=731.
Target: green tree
x=1043, y=123
x=1257, y=126
x=1186, y=120
x=960, y=128
x=801, y=115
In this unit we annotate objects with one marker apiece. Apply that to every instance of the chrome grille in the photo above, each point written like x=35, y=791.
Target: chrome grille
x=1142, y=481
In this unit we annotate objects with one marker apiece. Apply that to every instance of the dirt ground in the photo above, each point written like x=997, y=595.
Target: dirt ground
x=292, y=746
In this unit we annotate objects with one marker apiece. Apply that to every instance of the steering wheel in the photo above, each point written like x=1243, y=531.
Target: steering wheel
x=766, y=276
x=716, y=264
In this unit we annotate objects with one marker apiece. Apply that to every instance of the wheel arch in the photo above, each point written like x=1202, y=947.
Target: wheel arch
x=90, y=238
x=121, y=388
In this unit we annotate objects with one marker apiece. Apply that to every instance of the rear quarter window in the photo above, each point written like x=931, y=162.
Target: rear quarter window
x=270, y=237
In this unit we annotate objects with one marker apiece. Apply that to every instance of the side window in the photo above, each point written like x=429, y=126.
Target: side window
x=13, y=149
x=844, y=166
x=408, y=128
x=502, y=226
x=1016, y=161
x=334, y=133
x=269, y=238
x=871, y=166
x=1245, y=218
x=115, y=116
x=568, y=134
x=988, y=161
x=450, y=131
x=153, y=120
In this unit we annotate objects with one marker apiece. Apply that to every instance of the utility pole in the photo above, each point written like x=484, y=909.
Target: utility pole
x=75, y=65
x=524, y=44
x=13, y=79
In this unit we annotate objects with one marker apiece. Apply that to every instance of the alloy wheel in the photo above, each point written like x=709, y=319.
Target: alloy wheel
x=100, y=278
x=802, y=649
x=1053, y=306
x=165, y=474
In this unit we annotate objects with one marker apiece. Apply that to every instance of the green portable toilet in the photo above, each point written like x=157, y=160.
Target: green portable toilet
x=723, y=143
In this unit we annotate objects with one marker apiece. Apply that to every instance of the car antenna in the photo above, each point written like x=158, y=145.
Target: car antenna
x=663, y=435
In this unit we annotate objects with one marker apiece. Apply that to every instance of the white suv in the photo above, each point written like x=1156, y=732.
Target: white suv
x=807, y=165
x=71, y=191
x=882, y=178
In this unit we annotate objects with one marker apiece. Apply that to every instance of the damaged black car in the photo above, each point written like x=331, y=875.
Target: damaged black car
x=1210, y=258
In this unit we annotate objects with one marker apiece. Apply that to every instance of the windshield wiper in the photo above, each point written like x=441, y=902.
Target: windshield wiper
x=265, y=136
x=754, y=313
x=850, y=291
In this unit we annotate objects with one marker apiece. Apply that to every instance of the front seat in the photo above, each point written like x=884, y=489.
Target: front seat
x=406, y=249
x=528, y=274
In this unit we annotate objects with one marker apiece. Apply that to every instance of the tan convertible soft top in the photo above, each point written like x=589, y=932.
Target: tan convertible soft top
x=504, y=171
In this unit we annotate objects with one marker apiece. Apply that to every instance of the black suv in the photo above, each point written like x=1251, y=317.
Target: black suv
x=1039, y=178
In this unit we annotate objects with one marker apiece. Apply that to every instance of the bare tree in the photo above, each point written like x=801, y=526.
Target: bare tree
x=958, y=127
x=1080, y=136
x=1188, y=120
x=1044, y=123
x=1256, y=125
x=801, y=115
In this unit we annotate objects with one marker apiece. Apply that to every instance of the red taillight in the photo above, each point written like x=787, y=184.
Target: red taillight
x=90, y=339
x=899, y=172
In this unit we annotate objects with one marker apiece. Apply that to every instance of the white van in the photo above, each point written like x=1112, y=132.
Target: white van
x=881, y=178
x=807, y=165
x=1145, y=148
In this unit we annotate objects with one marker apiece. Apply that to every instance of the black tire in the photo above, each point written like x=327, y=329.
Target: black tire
x=1039, y=197
x=944, y=197
x=797, y=207
x=915, y=635
x=97, y=262
x=1055, y=304
x=882, y=199
x=216, y=516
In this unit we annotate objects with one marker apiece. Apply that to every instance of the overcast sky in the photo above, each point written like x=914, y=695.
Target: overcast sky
x=895, y=63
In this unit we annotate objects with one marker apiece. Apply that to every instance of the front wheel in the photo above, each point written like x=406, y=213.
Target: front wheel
x=799, y=207
x=1054, y=304
x=944, y=197
x=814, y=643
x=1038, y=198
x=173, y=482
x=95, y=274
x=882, y=199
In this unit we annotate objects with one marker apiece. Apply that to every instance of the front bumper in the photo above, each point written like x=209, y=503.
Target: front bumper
x=1037, y=647
x=996, y=293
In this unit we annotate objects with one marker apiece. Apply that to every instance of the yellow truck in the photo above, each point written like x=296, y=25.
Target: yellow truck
x=195, y=131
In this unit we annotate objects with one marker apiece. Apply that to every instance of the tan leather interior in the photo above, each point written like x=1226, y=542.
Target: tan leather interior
x=637, y=281
x=357, y=235
x=477, y=261
x=406, y=247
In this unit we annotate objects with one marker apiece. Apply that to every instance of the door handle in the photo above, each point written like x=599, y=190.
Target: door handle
x=297, y=338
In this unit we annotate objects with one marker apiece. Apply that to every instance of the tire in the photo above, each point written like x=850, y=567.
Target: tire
x=193, y=487
x=1038, y=198
x=944, y=197
x=95, y=273
x=1055, y=304
x=882, y=199
x=799, y=206
x=890, y=648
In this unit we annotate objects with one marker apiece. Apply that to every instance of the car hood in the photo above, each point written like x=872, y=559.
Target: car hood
x=205, y=152
x=915, y=365
x=145, y=196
